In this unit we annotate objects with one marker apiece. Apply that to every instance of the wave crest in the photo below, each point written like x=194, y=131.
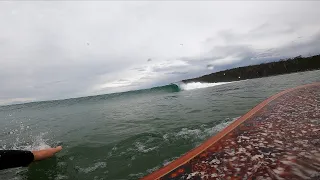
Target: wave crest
x=198, y=85
x=180, y=86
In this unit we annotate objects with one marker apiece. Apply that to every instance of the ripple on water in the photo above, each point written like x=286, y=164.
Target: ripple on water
x=199, y=133
x=61, y=177
x=95, y=166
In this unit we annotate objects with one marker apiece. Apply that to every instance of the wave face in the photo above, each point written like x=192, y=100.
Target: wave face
x=170, y=88
x=180, y=86
x=166, y=88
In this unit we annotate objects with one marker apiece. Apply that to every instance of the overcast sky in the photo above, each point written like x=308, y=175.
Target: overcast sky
x=56, y=50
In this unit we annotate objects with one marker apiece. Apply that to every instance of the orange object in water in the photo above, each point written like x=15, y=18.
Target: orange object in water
x=277, y=139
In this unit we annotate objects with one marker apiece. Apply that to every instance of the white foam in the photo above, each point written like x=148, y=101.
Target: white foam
x=202, y=132
x=137, y=175
x=198, y=85
x=186, y=133
x=168, y=161
x=140, y=147
x=199, y=134
x=61, y=177
x=92, y=168
x=153, y=169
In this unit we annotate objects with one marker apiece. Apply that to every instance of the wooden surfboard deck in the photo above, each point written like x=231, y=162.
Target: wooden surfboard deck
x=277, y=139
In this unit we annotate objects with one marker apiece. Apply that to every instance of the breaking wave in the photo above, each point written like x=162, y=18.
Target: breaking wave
x=180, y=86
x=173, y=87
x=199, y=85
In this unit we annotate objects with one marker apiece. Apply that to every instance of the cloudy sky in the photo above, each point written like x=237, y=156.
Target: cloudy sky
x=56, y=50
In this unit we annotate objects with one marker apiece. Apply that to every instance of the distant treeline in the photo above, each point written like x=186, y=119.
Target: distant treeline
x=291, y=65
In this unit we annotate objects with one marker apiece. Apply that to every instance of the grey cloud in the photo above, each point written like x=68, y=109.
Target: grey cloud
x=269, y=28
x=54, y=50
x=246, y=55
x=176, y=72
x=243, y=55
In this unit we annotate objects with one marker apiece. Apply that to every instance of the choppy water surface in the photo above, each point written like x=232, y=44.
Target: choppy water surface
x=128, y=135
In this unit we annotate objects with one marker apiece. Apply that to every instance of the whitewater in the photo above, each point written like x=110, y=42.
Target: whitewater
x=198, y=85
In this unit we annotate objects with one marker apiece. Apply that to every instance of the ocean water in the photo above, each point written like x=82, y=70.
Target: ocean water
x=128, y=135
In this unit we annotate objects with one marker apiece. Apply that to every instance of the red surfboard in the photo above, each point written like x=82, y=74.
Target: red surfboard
x=277, y=139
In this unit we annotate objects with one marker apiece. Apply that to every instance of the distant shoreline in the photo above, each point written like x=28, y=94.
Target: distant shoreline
x=291, y=65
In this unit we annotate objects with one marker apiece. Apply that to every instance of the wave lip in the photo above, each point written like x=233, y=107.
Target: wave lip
x=198, y=85
x=180, y=86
